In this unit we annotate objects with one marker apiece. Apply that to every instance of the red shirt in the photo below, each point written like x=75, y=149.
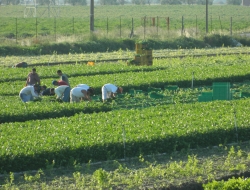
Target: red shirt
x=61, y=82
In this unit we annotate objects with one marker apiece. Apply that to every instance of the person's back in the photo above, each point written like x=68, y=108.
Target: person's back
x=77, y=91
x=63, y=77
x=28, y=92
x=48, y=92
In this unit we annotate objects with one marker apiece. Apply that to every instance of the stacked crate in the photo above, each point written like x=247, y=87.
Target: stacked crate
x=144, y=55
x=221, y=91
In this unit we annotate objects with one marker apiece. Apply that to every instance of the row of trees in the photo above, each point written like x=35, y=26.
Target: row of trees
x=118, y=2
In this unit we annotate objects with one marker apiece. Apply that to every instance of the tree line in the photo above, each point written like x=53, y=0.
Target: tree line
x=120, y=2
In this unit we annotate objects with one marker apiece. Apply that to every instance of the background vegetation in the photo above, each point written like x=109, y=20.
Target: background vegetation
x=124, y=22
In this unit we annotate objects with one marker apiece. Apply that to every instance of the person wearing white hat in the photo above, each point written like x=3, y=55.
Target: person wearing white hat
x=81, y=92
x=110, y=91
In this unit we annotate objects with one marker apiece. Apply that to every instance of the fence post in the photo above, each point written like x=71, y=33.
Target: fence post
x=16, y=30
x=211, y=24
x=231, y=26
x=36, y=28
x=220, y=24
x=157, y=25
x=168, y=24
x=144, y=26
x=55, y=27
x=73, y=25
x=107, y=25
x=132, y=29
x=120, y=26
x=182, y=25
x=196, y=25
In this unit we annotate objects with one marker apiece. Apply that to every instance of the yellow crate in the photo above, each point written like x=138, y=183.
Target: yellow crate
x=149, y=52
x=139, y=51
x=150, y=63
x=91, y=63
x=144, y=60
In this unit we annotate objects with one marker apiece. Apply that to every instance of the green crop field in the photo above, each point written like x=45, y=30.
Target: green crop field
x=116, y=21
x=157, y=114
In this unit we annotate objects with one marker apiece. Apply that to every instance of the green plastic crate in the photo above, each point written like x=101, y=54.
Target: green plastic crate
x=205, y=98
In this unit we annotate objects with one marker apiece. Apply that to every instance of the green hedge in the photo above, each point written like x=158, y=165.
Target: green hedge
x=103, y=45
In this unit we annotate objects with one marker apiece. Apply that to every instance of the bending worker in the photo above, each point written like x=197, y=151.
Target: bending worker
x=28, y=93
x=110, y=91
x=81, y=92
x=59, y=83
x=47, y=91
x=63, y=92
x=63, y=77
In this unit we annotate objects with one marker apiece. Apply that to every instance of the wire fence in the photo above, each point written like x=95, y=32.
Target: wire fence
x=118, y=27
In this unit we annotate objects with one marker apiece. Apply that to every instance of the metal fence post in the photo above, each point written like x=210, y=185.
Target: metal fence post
x=16, y=30
x=36, y=28
x=168, y=24
x=211, y=23
x=196, y=25
x=144, y=24
x=182, y=25
x=73, y=25
x=157, y=24
x=231, y=26
x=55, y=27
x=120, y=26
x=132, y=29
x=107, y=25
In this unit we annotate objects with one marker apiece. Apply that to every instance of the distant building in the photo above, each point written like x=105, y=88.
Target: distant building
x=246, y=2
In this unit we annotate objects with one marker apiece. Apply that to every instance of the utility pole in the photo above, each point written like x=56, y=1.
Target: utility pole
x=206, y=16
x=92, y=15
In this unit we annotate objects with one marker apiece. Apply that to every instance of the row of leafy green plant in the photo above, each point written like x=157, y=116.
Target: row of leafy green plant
x=206, y=70
x=75, y=58
x=191, y=168
x=14, y=110
x=121, y=133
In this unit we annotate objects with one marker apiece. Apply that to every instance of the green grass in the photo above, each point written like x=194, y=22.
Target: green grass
x=116, y=21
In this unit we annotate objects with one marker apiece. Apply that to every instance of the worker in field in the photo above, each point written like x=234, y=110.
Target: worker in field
x=110, y=91
x=82, y=92
x=28, y=93
x=33, y=78
x=47, y=91
x=59, y=83
x=21, y=65
x=63, y=93
x=63, y=77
